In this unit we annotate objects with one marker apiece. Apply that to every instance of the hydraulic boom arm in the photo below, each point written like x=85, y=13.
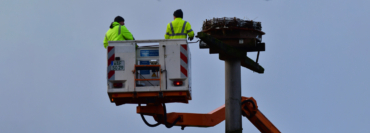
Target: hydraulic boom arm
x=249, y=110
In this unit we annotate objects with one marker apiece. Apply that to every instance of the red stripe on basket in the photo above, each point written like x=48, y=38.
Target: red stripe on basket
x=110, y=74
x=185, y=47
x=184, y=58
x=110, y=48
x=110, y=59
x=184, y=71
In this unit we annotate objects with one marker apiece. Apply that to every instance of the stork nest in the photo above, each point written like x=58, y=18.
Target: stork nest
x=225, y=22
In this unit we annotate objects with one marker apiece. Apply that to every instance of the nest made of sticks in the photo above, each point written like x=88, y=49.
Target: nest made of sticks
x=230, y=23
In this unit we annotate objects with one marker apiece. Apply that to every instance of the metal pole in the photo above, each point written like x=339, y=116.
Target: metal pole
x=233, y=116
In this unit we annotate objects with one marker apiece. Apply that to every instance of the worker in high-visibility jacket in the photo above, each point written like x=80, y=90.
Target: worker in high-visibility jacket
x=178, y=28
x=117, y=31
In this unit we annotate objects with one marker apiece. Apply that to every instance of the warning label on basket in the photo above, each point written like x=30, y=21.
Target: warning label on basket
x=142, y=72
x=146, y=53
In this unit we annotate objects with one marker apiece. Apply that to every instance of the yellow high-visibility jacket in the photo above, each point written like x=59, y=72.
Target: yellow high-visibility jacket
x=117, y=33
x=178, y=29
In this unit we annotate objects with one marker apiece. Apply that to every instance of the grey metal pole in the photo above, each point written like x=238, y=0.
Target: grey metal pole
x=233, y=116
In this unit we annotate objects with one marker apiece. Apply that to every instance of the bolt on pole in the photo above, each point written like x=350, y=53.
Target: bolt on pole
x=233, y=116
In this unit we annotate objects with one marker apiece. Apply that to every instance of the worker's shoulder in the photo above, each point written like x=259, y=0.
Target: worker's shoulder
x=123, y=26
x=187, y=22
x=183, y=21
x=118, y=26
x=109, y=30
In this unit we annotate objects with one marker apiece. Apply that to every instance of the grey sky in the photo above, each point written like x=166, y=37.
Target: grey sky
x=52, y=60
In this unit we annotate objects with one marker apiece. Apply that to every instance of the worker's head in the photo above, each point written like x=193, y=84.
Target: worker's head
x=120, y=20
x=178, y=14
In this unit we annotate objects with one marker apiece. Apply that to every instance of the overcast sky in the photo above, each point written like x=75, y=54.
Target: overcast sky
x=53, y=64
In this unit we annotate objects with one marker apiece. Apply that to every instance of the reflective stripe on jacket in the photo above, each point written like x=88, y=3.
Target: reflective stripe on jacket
x=117, y=33
x=178, y=29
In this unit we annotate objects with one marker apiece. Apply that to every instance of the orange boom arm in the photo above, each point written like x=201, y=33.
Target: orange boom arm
x=249, y=110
